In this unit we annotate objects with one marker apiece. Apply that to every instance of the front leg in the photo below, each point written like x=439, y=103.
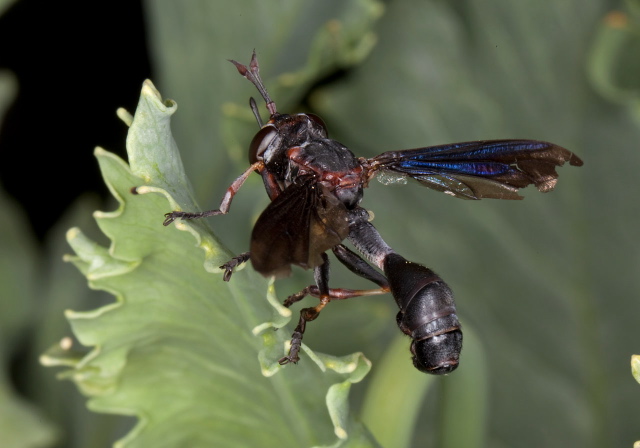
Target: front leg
x=226, y=200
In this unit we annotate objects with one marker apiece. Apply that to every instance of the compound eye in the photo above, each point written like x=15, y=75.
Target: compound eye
x=261, y=142
x=317, y=120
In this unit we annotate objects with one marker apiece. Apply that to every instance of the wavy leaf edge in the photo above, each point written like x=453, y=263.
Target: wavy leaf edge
x=97, y=262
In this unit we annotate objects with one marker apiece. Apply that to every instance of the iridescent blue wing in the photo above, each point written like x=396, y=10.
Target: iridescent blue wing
x=475, y=170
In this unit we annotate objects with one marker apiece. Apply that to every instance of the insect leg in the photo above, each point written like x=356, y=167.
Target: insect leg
x=358, y=266
x=224, y=204
x=334, y=294
x=309, y=314
x=322, y=291
x=321, y=275
x=230, y=265
x=271, y=184
x=355, y=264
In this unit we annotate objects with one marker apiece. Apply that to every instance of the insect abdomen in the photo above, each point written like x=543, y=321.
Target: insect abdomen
x=427, y=314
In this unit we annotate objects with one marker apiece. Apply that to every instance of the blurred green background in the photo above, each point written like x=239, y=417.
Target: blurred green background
x=546, y=288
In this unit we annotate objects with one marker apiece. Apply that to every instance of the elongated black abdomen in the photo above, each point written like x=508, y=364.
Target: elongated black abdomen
x=427, y=314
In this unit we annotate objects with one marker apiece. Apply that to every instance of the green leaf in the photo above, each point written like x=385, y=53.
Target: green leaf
x=61, y=289
x=193, y=357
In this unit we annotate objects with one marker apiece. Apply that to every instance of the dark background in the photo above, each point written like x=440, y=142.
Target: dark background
x=62, y=53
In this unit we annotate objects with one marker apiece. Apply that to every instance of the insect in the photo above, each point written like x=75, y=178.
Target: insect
x=316, y=184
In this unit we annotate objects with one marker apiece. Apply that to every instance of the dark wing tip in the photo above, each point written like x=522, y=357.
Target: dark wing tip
x=543, y=169
x=561, y=155
x=574, y=160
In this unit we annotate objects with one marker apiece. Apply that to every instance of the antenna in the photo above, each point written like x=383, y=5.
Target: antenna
x=256, y=112
x=252, y=73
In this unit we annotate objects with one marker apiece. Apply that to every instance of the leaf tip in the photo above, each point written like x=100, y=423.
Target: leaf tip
x=124, y=115
x=150, y=92
x=100, y=151
x=61, y=354
x=73, y=233
x=340, y=432
x=144, y=189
